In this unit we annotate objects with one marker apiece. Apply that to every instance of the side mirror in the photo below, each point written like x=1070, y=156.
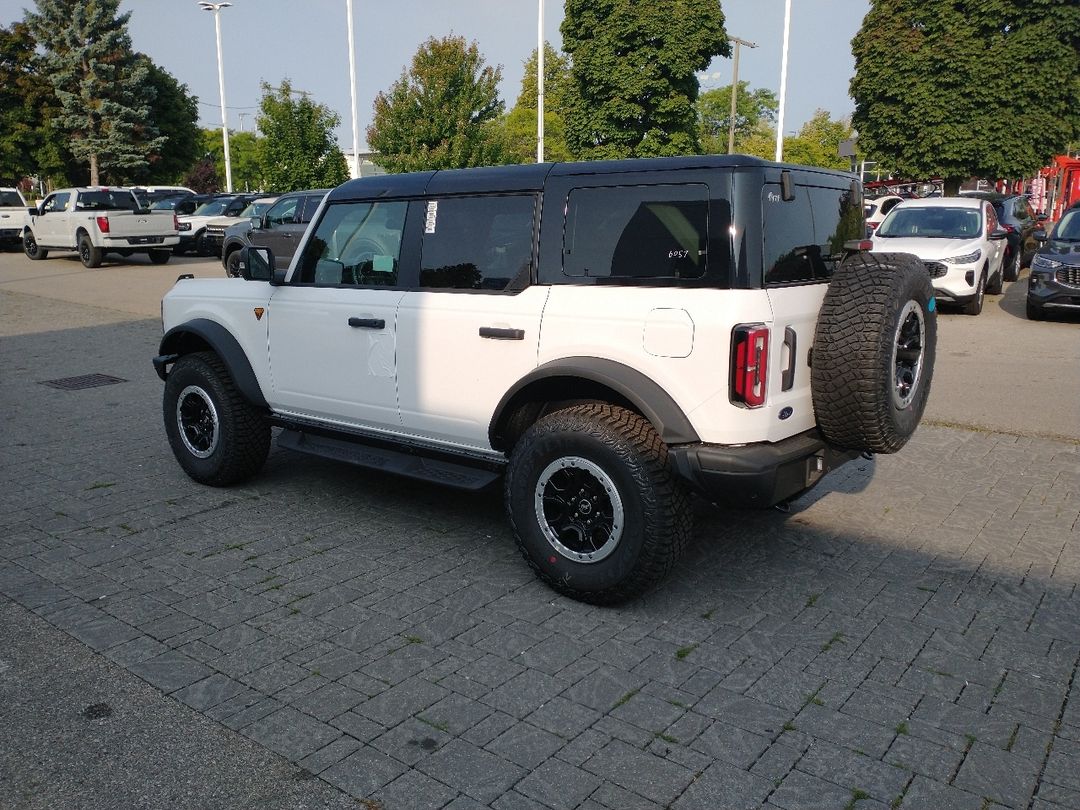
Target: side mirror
x=1039, y=235
x=256, y=223
x=1042, y=217
x=256, y=264
x=33, y=211
x=998, y=234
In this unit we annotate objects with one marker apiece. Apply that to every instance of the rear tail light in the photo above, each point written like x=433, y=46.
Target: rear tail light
x=175, y=222
x=749, y=364
x=103, y=224
x=872, y=225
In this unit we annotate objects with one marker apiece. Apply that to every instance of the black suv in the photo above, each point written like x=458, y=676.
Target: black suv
x=1054, y=283
x=279, y=229
x=1015, y=216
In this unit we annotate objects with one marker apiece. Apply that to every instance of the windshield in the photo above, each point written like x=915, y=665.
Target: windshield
x=1068, y=228
x=256, y=209
x=11, y=199
x=168, y=203
x=106, y=201
x=932, y=223
x=214, y=208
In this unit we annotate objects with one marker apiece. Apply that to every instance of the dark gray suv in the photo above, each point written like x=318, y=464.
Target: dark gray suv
x=279, y=229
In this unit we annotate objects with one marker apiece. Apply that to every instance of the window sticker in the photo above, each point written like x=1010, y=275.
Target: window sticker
x=431, y=216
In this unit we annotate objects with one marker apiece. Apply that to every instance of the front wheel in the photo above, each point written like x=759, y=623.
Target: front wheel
x=1034, y=311
x=596, y=509
x=975, y=305
x=89, y=255
x=217, y=437
x=32, y=249
x=160, y=256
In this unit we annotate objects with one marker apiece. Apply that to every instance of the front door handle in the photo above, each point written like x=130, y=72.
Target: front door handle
x=500, y=333
x=367, y=323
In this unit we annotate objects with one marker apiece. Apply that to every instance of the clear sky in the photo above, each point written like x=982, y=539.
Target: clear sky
x=306, y=41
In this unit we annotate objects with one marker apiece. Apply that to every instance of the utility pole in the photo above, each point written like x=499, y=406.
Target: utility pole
x=216, y=8
x=735, y=91
x=352, y=85
x=540, y=84
x=783, y=83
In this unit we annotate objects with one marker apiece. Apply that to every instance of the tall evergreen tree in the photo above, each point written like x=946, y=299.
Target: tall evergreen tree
x=298, y=149
x=175, y=114
x=957, y=88
x=442, y=113
x=103, y=90
x=633, y=74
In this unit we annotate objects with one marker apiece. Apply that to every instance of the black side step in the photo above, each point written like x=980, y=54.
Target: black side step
x=438, y=471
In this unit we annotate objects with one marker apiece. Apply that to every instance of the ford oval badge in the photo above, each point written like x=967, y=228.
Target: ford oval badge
x=786, y=412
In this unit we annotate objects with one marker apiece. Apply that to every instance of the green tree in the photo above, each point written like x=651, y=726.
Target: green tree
x=956, y=88
x=175, y=115
x=633, y=74
x=442, y=113
x=818, y=143
x=244, y=155
x=520, y=122
x=752, y=108
x=298, y=149
x=103, y=90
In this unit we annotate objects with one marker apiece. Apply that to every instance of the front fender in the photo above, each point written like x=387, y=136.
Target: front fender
x=200, y=334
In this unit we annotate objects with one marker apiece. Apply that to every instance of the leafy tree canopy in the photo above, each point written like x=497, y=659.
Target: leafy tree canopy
x=958, y=88
x=298, y=149
x=520, y=122
x=752, y=108
x=818, y=143
x=633, y=74
x=244, y=154
x=443, y=112
x=103, y=90
x=175, y=115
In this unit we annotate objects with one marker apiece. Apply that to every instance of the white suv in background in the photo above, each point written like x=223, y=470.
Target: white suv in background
x=605, y=338
x=959, y=241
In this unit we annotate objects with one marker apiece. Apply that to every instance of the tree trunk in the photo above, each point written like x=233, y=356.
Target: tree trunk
x=93, y=169
x=952, y=187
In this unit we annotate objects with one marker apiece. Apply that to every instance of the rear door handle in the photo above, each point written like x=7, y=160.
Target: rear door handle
x=500, y=333
x=367, y=323
x=787, y=379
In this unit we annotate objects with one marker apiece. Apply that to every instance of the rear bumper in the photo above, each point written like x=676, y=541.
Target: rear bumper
x=760, y=474
x=138, y=242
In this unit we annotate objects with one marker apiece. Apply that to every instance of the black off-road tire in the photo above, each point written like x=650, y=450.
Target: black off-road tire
x=160, y=256
x=32, y=249
x=975, y=305
x=873, y=355
x=583, y=445
x=216, y=435
x=89, y=255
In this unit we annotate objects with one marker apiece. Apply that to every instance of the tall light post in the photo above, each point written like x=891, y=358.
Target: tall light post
x=735, y=91
x=783, y=83
x=352, y=85
x=540, y=84
x=216, y=8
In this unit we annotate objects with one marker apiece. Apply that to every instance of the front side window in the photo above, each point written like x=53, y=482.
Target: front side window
x=57, y=202
x=476, y=243
x=355, y=244
x=639, y=232
x=282, y=213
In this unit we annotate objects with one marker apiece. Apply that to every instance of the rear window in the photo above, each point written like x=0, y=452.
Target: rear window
x=9, y=199
x=642, y=232
x=106, y=201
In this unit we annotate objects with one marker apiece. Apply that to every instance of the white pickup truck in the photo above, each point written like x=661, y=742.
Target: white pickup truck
x=99, y=220
x=12, y=216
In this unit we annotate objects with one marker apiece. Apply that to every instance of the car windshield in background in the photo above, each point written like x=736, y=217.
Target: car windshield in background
x=214, y=208
x=106, y=201
x=9, y=199
x=168, y=204
x=1068, y=229
x=932, y=223
x=256, y=209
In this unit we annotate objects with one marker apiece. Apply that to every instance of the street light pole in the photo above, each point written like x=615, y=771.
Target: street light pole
x=540, y=84
x=216, y=9
x=783, y=83
x=735, y=91
x=352, y=84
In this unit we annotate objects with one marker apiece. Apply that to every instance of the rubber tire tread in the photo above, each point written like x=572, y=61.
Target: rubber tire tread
x=1012, y=272
x=998, y=284
x=244, y=443
x=975, y=305
x=851, y=376
x=668, y=519
x=160, y=256
x=94, y=254
x=39, y=254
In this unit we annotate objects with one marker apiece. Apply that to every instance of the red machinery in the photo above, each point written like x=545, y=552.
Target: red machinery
x=1060, y=186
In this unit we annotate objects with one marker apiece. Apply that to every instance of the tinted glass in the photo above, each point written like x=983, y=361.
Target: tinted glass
x=836, y=221
x=213, y=208
x=282, y=212
x=311, y=205
x=10, y=199
x=791, y=250
x=57, y=202
x=1068, y=228
x=476, y=243
x=106, y=201
x=355, y=244
x=932, y=223
x=637, y=232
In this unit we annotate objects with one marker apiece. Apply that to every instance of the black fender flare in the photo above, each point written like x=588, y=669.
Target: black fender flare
x=177, y=342
x=653, y=402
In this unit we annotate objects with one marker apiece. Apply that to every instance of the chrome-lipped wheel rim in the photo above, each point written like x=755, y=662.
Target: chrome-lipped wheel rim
x=908, y=354
x=197, y=419
x=579, y=509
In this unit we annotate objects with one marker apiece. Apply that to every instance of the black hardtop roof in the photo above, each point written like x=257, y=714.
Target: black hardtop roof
x=531, y=176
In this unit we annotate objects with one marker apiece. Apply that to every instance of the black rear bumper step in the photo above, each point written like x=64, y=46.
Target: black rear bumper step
x=437, y=471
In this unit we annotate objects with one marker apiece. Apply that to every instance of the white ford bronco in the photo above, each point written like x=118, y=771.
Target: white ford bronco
x=606, y=338
x=99, y=220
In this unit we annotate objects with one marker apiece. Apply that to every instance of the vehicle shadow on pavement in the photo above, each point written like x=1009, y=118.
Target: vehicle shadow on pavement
x=908, y=632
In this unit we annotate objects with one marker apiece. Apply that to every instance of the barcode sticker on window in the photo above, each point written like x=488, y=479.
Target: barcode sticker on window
x=431, y=216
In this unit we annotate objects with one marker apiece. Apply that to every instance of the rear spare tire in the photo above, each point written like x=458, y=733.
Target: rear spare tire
x=873, y=355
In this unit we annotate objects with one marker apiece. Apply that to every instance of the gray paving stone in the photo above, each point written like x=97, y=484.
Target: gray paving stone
x=842, y=729
x=744, y=712
x=291, y=734
x=471, y=770
x=925, y=794
x=730, y=744
x=209, y=692
x=604, y=688
x=524, y=693
x=558, y=785
x=330, y=755
x=924, y=757
x=412, y=741
x=854, y=771
x=414, y=791
x=657, y=779
x=726, y=786
x=990, y=772
x=364, y=772
x=801, y=791
x=399, y=702
x=170, y=671
x=525, y=745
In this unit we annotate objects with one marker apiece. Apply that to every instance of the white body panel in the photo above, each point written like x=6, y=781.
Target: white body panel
x=126, y=229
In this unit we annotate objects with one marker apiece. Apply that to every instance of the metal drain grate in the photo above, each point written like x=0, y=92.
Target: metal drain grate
x=85, y=381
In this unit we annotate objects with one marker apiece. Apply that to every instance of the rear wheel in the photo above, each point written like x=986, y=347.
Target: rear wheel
x=160, y=256
x=89, y=255
x=31, y=248
x=1011, y=271
x=873, y=355
x=596, y=509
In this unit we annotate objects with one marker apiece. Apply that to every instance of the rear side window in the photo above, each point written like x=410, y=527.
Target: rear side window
x=311, y=205
x=476, y=243
x=639, y=232
x=804, y=238
x=355, y=244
